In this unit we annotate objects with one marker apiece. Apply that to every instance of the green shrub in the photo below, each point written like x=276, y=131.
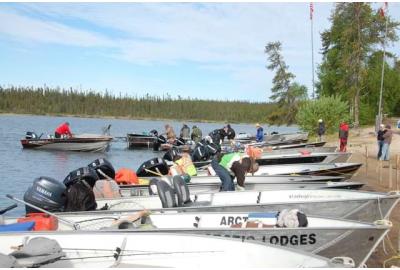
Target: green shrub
x=332, y=110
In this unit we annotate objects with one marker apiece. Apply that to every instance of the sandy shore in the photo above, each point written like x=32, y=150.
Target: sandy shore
x=361, y=142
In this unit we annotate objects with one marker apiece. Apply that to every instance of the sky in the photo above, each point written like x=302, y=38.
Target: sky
x=197, y=50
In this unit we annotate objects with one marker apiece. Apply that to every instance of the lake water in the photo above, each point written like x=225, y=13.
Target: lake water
x=18, y=167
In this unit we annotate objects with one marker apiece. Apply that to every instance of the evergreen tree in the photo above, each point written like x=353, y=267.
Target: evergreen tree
x=285, y=93
x=355, y=33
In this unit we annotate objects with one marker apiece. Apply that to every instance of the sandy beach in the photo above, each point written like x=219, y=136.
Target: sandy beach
x=362, y=143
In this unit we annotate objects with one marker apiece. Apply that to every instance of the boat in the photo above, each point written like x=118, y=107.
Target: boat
x=282, y=138
x=143, y=190
x=140, y=140
x=303, y=157
x=295, y=157
x=80, y=142
x=353, y=205
x=321, y=236
x=101, y=249
x=345, y=170
x=296, y=145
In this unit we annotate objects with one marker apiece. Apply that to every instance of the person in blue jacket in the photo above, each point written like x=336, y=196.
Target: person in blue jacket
x=260, y=133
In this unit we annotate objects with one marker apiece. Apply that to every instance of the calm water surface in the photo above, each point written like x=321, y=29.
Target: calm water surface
x=18, y=167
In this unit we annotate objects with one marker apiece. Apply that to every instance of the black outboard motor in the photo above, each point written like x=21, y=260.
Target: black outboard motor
x=105, y=166
x=199, y=152
x=157, y=165
x=160, y=140
x=46, y=193
x=153, y=132
x=179, y=141
x=171, y=154
x=84, y=173
x=31, y=135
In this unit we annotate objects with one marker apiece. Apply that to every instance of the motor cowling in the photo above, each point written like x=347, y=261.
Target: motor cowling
x=105, y=166
x=46, y=193
x=31, y=135
x=157, y=165
x=171, y=154
x=85, y=173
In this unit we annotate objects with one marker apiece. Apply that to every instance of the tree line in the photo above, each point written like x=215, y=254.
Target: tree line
x=57, y=101
x=350, y=72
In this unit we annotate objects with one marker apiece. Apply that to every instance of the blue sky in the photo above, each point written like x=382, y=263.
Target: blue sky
x=198, y=50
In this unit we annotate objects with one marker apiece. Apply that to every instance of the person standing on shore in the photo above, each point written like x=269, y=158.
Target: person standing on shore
x=343, y=136
x=387, y=140
x=321, y=130
x=185, y=132
x=380, y=139
x=260, y=133
x=62, y=130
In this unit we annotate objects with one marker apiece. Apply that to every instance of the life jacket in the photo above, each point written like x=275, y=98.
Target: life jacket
x=126, y=176
x=228, y=159
x=43, y=222
x=254, y=152
x=106, y=189
x=186, y=165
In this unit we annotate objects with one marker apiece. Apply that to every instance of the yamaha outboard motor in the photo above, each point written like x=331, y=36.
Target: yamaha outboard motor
x=104, y=166
x=46, y=193
x=30, y=135
x=179, y=141
x=157, y=165
x=199, y=152
x=171, y=154
x=84, y=173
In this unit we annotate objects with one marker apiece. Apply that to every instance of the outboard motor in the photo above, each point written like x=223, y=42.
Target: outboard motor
x=171, y=154
x=199, y=152
x=31, y=135
x=103, y=165
x=157, y=165
x=153, y=132
x=84, y=173
x=46, y=193
x=179, y=141
x=160, y=140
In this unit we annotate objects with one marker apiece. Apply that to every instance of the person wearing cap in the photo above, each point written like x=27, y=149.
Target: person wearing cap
x=230, y=132
x=387, y=140
x=260, y=133
x=321, y=130
x=380, y=139
x=62, y=130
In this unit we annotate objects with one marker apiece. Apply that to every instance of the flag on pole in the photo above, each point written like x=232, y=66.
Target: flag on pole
x=311, y=10
x=383, y=9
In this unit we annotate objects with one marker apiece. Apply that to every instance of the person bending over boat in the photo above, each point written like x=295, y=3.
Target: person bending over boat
x=232, y=165
x=218, y=135
x=230, y=132
x=62, y=130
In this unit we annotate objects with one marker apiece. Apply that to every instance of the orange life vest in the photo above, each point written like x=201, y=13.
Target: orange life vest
x=43, y=222
x=126, y=176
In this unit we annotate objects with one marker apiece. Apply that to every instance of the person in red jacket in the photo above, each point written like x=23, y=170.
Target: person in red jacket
x=343, y=136
x=63, y=129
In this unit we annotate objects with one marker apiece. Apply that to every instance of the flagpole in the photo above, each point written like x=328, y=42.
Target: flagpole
x=383, y=72
x=312, y=48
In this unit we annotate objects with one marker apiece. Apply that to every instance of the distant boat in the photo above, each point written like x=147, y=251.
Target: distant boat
x=82, y=142
x=141, y=140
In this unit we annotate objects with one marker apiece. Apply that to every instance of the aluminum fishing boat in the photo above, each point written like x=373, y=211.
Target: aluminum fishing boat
x=321, y=236
x=82, y=142
x=345, y=170
x=129, y=250
x=353, y=205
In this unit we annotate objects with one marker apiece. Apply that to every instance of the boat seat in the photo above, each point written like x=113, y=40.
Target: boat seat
x=38, y=251
x=153, y=186
x=182, y=191
x=166, y=194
